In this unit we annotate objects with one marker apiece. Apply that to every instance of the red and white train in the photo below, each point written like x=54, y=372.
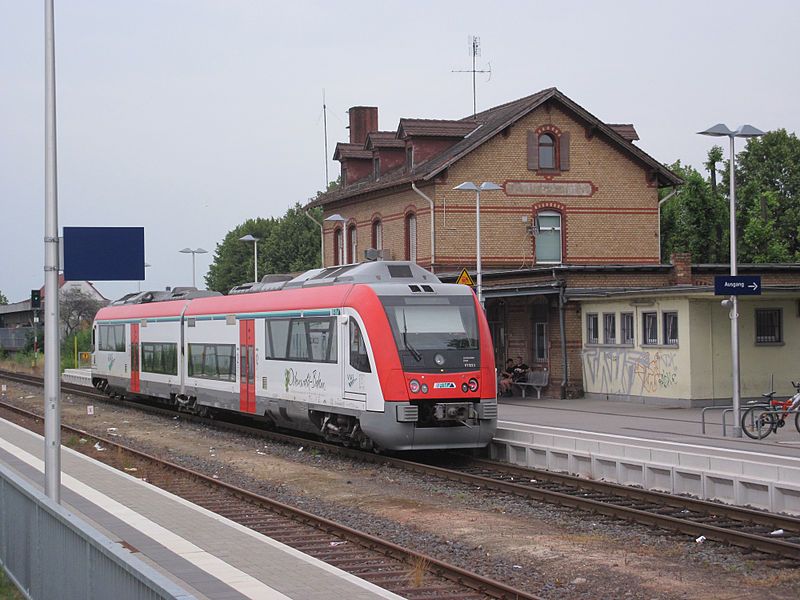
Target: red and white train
x=377, y=354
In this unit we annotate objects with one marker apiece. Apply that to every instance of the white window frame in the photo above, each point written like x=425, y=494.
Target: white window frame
x=592, y=328
x=558, y=228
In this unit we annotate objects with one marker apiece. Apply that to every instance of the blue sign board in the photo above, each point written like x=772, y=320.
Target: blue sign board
x=737, y=285
x=104, y=253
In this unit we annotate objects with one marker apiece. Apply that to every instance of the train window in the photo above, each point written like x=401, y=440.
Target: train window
x=307, y=340
x=112, y=338
x=298, y=340
x=160, y=358
x=212, y=361
x=322, y=339
x=358, y=349
x=277, y=338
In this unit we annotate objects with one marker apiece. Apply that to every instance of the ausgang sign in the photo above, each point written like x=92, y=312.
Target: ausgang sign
x=737, y=285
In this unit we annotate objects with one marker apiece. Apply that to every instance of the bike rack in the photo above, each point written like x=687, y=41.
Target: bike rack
x=703, y=417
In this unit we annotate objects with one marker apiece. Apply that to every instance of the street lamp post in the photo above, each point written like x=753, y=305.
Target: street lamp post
x=251, y=238
x=486, y=186
x=193, y=252
x=745, y=131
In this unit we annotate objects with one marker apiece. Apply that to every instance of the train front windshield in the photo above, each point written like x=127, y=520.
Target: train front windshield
x=434, y=333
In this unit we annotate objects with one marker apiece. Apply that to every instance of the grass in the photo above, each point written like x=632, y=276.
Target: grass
x=8, y=591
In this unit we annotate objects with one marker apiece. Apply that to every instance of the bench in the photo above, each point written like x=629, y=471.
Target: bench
x=534, y=379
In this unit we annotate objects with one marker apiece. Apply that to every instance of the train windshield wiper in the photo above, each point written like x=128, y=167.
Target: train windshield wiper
x=410, y=348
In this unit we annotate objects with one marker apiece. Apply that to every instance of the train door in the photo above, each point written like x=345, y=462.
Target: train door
x=355, y=362
x=247, y=364
x=135, y=357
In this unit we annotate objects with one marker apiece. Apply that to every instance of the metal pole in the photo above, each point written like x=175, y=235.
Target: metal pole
x=255, y=261
x=737, y=425
x=193, y=269
x=52, y=353
x=478, y=243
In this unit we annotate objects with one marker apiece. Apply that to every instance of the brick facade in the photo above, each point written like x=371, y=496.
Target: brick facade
x=603, y=188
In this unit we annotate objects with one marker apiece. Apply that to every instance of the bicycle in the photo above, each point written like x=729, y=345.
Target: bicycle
x=760, y=420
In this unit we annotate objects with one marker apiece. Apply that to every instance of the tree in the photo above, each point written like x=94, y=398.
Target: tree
x=768, y=198
x=693, y=220
x=289, y=244
x=3, y=299
x=77, y=309
x=233, y=259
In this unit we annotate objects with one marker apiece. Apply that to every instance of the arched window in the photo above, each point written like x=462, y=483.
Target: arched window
x=352, y=244
x=548, y=237
x=338, y=246
x=411, y=237
x=547, y=151
x=377, y=234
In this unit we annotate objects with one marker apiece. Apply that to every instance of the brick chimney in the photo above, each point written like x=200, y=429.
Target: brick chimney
x=681, y=268
x=363, y=120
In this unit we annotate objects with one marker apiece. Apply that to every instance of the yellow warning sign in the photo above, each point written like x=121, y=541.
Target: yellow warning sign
x=464, y=278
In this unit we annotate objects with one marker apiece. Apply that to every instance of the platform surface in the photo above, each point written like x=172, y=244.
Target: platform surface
x=645, y=422
x=204, y=553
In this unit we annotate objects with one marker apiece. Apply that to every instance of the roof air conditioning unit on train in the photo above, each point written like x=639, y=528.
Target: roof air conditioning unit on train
x=373, y=254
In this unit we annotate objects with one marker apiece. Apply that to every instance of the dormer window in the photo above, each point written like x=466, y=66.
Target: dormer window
x=409, y=158
x=547, y=151
x=376, y=168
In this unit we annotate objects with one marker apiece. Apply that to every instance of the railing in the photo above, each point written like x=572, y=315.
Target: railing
x=49, y=553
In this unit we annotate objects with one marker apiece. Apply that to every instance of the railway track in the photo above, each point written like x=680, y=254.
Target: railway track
x=770, y=533
x=411, y=574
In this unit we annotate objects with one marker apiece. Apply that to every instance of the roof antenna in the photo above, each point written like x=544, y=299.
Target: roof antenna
x=475, y=50
x=325, y=129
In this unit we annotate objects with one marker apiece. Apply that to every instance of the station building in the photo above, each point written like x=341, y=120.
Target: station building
x=571, y=239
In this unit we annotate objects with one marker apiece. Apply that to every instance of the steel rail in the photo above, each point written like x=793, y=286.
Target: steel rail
x=741, y=515
x=435, y=566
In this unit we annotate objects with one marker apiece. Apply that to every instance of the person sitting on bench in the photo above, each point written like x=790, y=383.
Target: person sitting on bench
x=519, y=371
x=507, y=378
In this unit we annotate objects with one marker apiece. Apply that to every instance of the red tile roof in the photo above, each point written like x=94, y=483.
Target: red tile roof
x=434, y=128
x=626, y=130
x=489, y=123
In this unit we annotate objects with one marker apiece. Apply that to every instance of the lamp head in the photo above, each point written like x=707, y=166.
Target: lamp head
x=249, y=238
x=718, y=130
x=186, y=251
x=336, y=218
x=747, y=131
x=488, y=186
x=467, y=185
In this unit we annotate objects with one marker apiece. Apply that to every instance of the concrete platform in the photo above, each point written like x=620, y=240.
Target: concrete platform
x=655, y=448
x=207, y=555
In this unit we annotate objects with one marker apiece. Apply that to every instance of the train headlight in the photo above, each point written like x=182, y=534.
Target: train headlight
x=413, y=385
x=424, y=388
x=473, y=385
x=439, y=360
x=464, y=388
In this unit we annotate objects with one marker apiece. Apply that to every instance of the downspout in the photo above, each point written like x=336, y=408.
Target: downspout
x=321, y=238
x=433, y=224
x=562, y=311
x=660, y=202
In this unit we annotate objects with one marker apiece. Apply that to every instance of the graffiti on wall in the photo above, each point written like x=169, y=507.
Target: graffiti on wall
x=627, y=371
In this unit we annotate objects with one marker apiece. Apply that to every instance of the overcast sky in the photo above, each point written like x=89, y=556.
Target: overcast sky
x=188, y=117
